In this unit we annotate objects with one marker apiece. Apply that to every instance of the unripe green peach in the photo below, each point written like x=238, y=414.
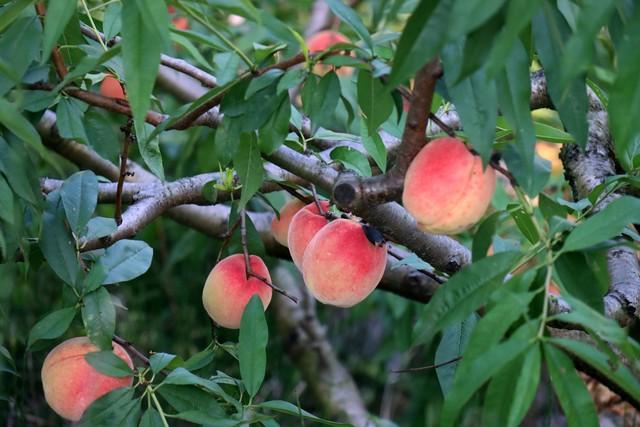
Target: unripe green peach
x=280, y=227
x=446, y=189
x=71, y=384
x=341, y=266
x=304, y=225
x=227, y=289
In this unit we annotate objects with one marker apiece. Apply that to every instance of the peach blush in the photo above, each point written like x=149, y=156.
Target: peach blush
x=280, y=227
x=323, y=40
x=71, y=384
x=446, y=189
x=227, y=290
x=304, y=225
x=341, y=266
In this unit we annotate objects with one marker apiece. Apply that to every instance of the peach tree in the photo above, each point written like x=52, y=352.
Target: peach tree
x=381, y=212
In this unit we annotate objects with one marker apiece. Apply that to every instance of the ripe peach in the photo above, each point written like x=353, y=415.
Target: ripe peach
x=181, y=23
x=280, y=227
x=227, y=291
x=341, y=266
x=551, y=152
x=71, y=384
x=304, y=225
x=324, y=40
x=445, y=188
x=112, y=88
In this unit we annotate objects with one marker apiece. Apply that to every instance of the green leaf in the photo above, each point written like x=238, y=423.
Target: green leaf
x=6, y=361
x=93, y=280
x=422, y=38
x=273, y=133
x=19, y=126
x=6, y=201
x=145, y=33
x=267, y=79
x=512, y=390
x=614, y=370
x=467, y=290
x=9, y=13
x=467, y=15
x=88, y=64
x=69, y=114
x=351, y=18
x=483, y=236
x=291, y=78
x=111, y=409
x=514, y=91
x=320, y=98
x=606, y=224
x=453, y=343
x=56, y=242
x=108, y=363
x=624, y=100
x=579, y=52
x=99, y=317
x=574, y=398
x=125, y=260
x=180, y=376
x=376, y=149
x=551, y=31
x=159, y=361
x=252, y=352
x=374, y=100
x=52, y=325
x=291, y=409
x=190, y=398
x=475, y=99
x=24, y=35
x=112, y=24
x=352, y=159
x=248, y=164
x=150, y=150
x=79, y=195
x=524, y=222
x=579, y=279
x=58, y=14
x=151, y=418
x=100, y=227
x=472, y=375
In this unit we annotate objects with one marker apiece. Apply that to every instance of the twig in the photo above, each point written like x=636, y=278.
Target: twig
x=442, y=125
x=426, y=368
x=316, y=201
x=131, y=348
x=58, y=60
x=294, y=193
x=495, y=163
x=128, y=137
x=227, y=238
x=247, y=259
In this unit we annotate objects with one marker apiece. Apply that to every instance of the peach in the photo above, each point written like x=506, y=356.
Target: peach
x=445, y=188
x=181, y=23
x=280, y=227
x=551, y=152
x=71, y=384
x=112, y=88
x=341, y=266
x=323, y=40
x=304, y=225
x=227, y=290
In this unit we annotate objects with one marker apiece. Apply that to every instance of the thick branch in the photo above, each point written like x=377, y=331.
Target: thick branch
x=585, y=170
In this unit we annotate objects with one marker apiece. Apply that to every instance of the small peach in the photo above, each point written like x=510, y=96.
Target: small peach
x=227, y=290
x=323, y=40
x=341, y=266
x=112, y=88
x=71, y=384
x=304, y=225
x=551, y=152
x=446, y=189
x=181, y=23
x=280, y=227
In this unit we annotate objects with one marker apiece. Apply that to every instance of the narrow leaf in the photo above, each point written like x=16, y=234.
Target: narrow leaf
x=52, y=325
x=253, y=339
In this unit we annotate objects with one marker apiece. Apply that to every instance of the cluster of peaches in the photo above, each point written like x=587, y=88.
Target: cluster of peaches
x=446, y=190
